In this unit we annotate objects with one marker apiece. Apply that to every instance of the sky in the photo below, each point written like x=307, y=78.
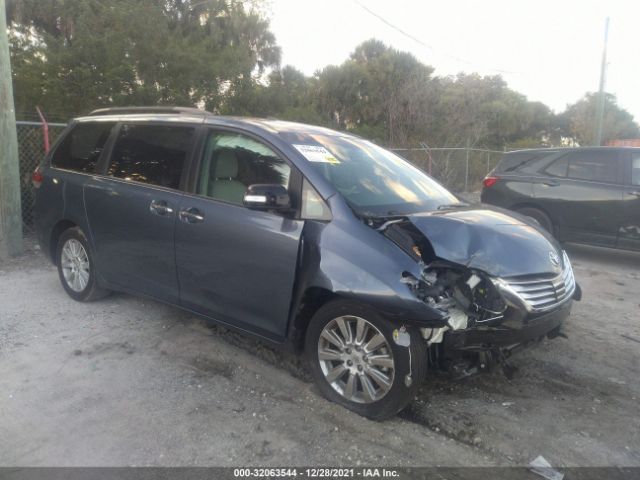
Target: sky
x=551, y=51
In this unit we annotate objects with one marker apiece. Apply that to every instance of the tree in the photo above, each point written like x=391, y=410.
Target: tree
x=483, y=112
x=71, y=56
x=379, y=92
x=74, y=55
x=393, y=98
x=286, y=94
x=578, y=121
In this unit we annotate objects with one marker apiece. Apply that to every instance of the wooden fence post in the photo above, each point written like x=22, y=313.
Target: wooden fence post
x=10, y=210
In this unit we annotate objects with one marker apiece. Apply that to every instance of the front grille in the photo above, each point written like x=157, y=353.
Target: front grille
x=541, y=293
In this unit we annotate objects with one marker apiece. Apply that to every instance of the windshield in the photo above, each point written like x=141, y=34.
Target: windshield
x=374, y=181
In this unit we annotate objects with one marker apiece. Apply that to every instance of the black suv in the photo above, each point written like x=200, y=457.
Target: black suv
x=583, y=195
x=302, y=236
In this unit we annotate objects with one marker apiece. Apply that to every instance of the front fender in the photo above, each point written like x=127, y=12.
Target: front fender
x=351, y=260
x=379, y=289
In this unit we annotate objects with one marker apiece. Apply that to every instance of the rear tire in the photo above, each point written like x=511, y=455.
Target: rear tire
x=76, y=268
x=539, y=216
x=355, y=361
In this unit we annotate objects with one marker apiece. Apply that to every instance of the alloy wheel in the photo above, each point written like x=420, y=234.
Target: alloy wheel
x=75, y=265
x=356, y=359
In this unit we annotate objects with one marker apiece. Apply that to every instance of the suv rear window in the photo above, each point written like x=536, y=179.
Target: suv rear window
x=526, y=161
x=512, y=161
x=153, y=154
x=81, y=148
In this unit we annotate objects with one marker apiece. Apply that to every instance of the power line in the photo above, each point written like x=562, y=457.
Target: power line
x=398, y=29
x=417, y=40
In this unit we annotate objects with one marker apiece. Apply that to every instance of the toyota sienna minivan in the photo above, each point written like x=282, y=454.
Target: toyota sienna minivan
x=302, y=236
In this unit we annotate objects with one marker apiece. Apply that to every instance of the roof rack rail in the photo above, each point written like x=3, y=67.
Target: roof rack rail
x=151, y=110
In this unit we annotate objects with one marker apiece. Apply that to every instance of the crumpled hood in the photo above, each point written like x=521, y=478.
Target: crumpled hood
x=489, y=239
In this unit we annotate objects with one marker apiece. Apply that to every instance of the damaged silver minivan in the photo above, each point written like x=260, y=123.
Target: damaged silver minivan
x=302, y=236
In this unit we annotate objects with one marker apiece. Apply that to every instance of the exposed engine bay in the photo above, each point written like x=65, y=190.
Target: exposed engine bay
x=481, y=322
x=470, y=299
x=467, y=296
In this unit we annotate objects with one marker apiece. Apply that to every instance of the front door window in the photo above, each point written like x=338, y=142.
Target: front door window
x=234, y=161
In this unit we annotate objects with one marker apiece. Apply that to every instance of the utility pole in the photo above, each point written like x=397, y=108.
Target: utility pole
x=10, y=210
x=600, y=105
x=466, y=169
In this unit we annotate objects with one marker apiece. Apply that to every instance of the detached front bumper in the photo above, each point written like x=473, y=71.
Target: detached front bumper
x=509, y=334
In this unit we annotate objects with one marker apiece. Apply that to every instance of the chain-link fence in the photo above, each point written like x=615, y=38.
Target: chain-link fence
x=459, y=169
x=30, y=152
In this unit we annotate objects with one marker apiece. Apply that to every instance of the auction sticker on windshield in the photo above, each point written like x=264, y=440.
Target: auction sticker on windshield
x=316, y=153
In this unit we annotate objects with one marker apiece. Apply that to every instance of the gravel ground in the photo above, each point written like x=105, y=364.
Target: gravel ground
x=128, y=381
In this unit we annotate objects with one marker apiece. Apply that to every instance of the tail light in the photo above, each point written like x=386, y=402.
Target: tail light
x=490, y=181
x=36, y=178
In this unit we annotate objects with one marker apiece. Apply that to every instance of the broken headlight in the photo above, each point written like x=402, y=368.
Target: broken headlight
x=467, y=297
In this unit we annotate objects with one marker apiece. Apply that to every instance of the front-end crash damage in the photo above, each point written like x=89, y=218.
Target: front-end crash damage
x=498, y=282
x=467, y=298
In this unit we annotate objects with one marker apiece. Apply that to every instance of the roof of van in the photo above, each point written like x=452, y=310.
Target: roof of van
x=567, y=149
x=194, y=115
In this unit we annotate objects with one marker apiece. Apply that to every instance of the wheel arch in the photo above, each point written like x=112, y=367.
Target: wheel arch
x=57, y=230
x=311, y=301
x=528, y=204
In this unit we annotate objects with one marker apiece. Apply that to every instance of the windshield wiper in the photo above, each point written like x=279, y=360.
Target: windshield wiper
x=453, y=205
x=378, y=215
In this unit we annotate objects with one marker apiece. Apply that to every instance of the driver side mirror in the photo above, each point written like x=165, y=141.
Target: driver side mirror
x=267, y=197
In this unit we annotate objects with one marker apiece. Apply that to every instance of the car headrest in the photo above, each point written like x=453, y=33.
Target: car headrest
x=226, y=165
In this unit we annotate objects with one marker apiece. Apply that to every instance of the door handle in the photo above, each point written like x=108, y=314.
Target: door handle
x=191, y=215
x=636, y=193
x=160, y=207
x=550, y=183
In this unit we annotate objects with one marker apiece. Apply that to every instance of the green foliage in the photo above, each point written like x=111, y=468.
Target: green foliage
x=578, y=121
x=483, y=111
x=378, y=91
x=392, y=98
x=70, y=56
x=286, y=94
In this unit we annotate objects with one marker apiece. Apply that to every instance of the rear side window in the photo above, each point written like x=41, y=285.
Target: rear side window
x=594, y=165
x=153, y=154
x=81, y=148
x=558, y=168
x=635, y=169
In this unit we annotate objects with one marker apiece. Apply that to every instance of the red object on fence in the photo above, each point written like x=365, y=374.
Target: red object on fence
x=45, y=130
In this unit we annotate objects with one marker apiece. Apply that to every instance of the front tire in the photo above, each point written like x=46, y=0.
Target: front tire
x=76, y=268
x=356, y=362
